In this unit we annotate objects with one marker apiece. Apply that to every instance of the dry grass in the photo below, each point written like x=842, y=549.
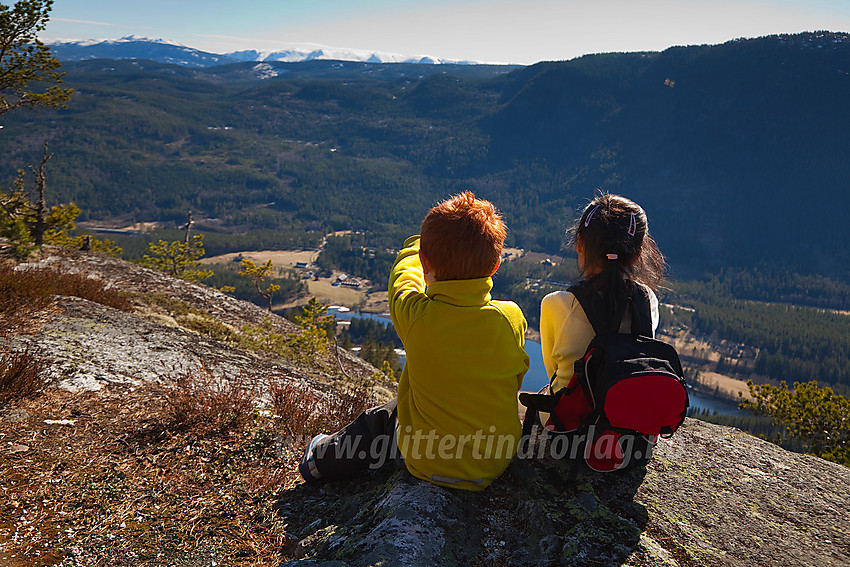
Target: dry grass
x=157, y=476
x=22, y=374
x=281, y=259
x=118, y=487
x=302, y=412
x=31, y=290
x=23, y=294
x=326, y=292
x=201, y=401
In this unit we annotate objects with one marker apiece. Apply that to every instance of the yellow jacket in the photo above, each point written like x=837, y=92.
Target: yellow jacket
x=457, y=394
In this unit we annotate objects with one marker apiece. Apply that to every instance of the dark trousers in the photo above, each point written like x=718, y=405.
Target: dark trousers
x=369, y=442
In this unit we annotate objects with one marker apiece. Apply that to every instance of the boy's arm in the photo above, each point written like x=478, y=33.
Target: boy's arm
x=407, y=287
x=516, y=318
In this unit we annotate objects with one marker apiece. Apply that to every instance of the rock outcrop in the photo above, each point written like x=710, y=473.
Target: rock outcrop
x=711, y=495
x=171, y=329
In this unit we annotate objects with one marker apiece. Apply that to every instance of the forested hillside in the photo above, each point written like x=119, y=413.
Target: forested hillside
x=737, y=151
x=782, y=316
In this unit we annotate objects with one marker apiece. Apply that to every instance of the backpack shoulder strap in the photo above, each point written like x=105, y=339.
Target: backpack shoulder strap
x=604, y=319
x=596, y=307
x=642, y=312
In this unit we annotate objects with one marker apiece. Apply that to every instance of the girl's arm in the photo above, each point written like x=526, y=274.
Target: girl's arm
x=565, y=333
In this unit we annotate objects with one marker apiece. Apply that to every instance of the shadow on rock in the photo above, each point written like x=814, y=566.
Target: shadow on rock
x=529, y=516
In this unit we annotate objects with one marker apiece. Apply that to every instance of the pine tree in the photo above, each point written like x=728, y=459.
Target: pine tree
x=818, y=417
x=180, y=259
x=25, y=60
x=314, y=323
x=258, y=275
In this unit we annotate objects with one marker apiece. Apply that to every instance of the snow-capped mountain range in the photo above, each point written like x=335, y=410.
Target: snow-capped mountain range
x=163, y=51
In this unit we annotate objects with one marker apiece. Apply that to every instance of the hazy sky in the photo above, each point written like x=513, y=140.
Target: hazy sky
x=497, y=31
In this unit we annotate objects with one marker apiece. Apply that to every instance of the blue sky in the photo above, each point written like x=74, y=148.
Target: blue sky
x=496, y=31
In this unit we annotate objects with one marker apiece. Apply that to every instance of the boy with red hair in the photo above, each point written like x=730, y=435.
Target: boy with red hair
x=455, y=420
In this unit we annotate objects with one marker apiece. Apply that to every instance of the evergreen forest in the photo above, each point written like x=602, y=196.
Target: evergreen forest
x=738, y=153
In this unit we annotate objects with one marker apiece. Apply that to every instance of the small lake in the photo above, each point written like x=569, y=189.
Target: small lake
x=536, y=377
x=346, y=314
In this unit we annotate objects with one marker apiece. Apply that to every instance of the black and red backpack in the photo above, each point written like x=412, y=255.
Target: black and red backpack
x=627, y=389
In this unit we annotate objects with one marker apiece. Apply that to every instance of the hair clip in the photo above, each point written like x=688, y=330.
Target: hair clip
x=632, y=225
x=590, y=216
x=611, y=256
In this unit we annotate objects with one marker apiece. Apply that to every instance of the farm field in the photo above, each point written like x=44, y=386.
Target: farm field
x=282, y=259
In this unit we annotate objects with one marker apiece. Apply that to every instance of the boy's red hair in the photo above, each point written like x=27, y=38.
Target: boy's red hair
x=462, y=238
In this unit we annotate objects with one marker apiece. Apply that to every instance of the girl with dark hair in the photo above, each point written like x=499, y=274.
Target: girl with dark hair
x=615, y=255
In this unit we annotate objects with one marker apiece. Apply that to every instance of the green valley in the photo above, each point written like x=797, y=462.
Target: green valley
x=737, y=152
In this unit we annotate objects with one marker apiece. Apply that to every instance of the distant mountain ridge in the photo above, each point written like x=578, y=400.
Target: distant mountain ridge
x=737, y=151
x=163, y=51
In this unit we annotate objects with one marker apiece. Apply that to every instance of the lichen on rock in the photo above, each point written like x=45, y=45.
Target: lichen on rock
x=711, y=495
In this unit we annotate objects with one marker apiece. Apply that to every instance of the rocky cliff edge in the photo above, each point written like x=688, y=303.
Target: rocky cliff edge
x=711, y=495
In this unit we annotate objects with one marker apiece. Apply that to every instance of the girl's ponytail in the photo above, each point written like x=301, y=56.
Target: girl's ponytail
x=617, y=250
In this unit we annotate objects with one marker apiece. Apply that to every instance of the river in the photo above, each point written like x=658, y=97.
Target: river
x=536, y=377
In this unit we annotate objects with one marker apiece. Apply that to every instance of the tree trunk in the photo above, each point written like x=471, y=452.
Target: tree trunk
x=188, y=227
x=40, y=206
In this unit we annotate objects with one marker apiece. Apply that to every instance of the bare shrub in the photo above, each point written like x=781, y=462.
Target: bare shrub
x=79, y=285
x=23, y=295
x=30, y=290
x=22, y=374
x=347, y=405
x=203, y=401
x=303, y=411
x=124, y=487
